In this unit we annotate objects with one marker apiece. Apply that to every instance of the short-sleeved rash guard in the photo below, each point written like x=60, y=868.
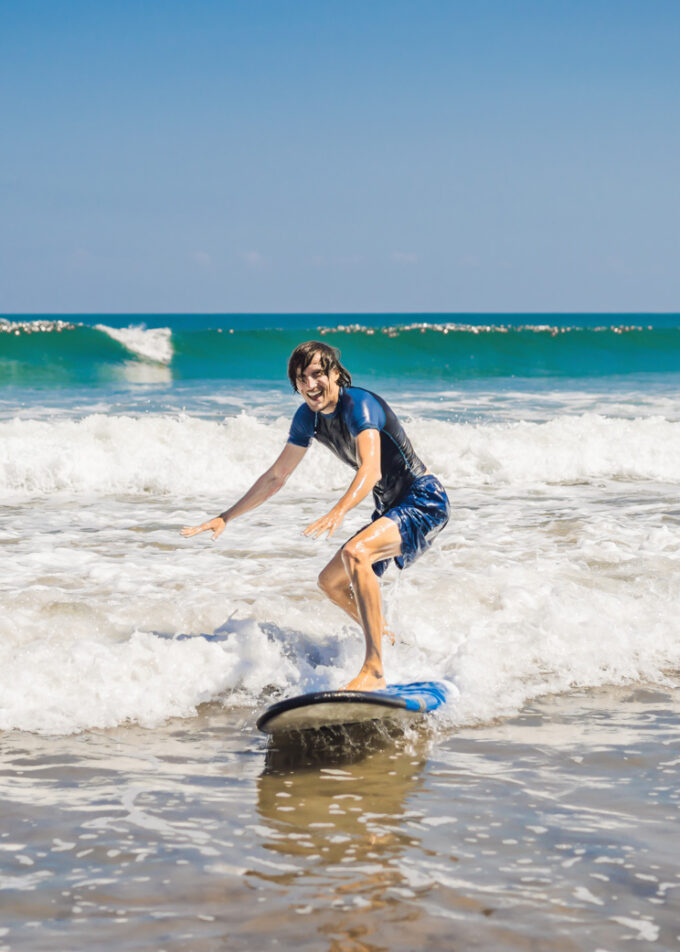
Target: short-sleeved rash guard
x=358, y=410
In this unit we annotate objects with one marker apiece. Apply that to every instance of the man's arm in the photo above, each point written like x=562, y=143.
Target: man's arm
x=368, y=474
x=268, y=483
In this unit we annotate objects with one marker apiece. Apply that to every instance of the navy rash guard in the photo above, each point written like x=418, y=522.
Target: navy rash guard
x=358, y=410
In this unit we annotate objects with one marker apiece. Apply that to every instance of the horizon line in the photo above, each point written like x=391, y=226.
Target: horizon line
x=312, y=313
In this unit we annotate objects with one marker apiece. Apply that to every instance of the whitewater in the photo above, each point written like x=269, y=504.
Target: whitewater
x=559, y=568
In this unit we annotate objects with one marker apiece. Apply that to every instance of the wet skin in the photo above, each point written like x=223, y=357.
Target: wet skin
x=348, y=579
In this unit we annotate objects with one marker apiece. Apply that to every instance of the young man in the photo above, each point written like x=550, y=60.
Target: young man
x=411, y=505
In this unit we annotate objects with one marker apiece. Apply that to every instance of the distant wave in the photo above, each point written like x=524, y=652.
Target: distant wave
x=57, y=353
x=452, y=327
x=152, y=344
x=60, y=353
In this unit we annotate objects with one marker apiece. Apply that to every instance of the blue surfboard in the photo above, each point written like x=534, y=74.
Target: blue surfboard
x=336, y=708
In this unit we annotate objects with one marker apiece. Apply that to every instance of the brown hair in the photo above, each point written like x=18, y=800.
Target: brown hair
x=303, y=355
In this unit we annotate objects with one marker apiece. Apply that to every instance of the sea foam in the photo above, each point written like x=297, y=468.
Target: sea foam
x=559, y=567
x=186, y=456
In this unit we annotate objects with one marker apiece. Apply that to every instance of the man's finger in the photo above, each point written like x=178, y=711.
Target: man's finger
x=193, y=530
x=319, y=526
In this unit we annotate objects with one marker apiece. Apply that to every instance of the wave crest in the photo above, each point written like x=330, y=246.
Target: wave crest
x=185, y=456
x=150, y=343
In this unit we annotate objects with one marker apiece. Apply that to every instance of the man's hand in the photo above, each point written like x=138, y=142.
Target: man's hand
x=328, y=523
x=216, y=526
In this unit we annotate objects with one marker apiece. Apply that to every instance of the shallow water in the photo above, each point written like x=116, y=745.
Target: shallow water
x=552, y=830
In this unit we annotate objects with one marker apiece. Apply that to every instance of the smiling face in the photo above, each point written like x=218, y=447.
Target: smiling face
x=319, y=389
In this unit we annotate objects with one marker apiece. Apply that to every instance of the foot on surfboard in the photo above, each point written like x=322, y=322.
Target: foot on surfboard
x=366, y=681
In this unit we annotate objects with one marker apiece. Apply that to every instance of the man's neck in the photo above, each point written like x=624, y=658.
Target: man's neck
x=329, y=409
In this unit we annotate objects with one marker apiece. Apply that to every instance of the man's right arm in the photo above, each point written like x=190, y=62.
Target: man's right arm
x=268, y=483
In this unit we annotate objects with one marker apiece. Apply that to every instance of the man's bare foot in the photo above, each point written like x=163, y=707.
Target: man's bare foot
x=366, y=681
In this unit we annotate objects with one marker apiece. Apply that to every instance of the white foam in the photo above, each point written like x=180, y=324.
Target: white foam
x=517, y=599
x=121, y=454
x=39, y=326
x=559, y=567
x=142, y=678
x=647, y=930
x=151, y=343
x=447, y=327
x=186, y=456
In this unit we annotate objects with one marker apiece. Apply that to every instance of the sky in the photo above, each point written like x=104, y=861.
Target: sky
x=335, y=157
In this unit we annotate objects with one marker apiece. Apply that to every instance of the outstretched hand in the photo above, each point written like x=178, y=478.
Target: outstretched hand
x=216, y=526
x=328, y=523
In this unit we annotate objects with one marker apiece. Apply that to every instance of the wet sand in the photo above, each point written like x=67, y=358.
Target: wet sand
x=555, y=830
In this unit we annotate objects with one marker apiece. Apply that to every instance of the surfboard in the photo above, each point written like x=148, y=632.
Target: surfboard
x=337, y=708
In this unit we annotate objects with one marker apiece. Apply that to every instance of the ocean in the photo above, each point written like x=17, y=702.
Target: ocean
x=141, y=808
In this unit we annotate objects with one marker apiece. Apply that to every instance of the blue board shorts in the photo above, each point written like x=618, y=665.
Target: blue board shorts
x=420, y=515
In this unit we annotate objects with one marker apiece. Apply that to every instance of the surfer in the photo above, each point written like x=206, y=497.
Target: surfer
x=411, y=505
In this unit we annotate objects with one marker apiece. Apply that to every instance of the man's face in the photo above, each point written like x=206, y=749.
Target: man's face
x=319, y=390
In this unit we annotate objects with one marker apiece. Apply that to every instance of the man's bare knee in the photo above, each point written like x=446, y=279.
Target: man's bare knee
x=355, y=557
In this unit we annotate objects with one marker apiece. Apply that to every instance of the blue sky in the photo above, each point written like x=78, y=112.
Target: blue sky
x=273, y=155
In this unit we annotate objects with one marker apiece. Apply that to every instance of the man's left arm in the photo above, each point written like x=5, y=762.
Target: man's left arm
x=368, y=474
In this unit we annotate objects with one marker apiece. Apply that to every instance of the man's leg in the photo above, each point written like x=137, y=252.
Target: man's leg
x=381, y=540
x=335, y=584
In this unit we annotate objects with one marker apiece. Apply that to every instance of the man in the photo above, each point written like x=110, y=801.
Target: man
x=411, y=505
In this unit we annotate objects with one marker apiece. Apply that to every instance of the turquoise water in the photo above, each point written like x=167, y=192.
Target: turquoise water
x=64, y=351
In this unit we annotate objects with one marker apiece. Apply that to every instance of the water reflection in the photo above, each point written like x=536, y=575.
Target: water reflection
x=335, y=811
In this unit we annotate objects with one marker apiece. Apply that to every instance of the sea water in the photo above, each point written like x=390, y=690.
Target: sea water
x=134, y=662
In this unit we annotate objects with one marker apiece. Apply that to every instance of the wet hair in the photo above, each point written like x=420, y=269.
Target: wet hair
x=303, y=355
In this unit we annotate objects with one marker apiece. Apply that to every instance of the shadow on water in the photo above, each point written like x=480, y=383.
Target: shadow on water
x=329, y=746
x=293, y=644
